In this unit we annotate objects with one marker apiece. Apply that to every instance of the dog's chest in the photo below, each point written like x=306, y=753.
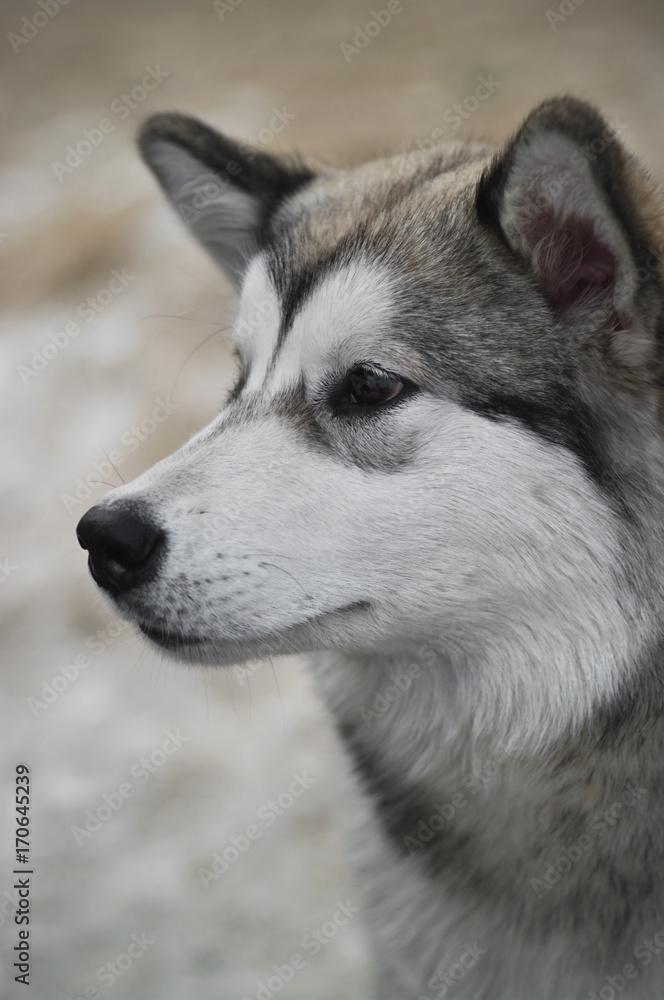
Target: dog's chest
x=487, y=865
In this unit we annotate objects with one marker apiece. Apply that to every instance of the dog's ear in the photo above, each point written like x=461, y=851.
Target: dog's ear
x=225, y=192
x=566, y=197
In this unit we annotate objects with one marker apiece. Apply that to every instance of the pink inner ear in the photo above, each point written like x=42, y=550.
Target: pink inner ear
x=572, y=262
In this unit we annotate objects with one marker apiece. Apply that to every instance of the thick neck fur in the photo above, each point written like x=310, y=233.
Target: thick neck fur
x=540, y=848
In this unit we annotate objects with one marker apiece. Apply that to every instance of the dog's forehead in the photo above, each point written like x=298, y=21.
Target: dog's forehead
x=329, y=290
x=342, y=318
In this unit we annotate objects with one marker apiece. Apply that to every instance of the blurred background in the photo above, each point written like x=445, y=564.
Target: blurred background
x=110, y=345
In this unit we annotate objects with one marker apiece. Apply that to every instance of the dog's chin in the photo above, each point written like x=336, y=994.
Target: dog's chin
x=177, y=645
x=217, y=652
x=198, y=650
x=223, y=652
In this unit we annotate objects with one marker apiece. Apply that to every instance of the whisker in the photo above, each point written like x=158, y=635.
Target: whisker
x=115, y=468
x=281, y=700
x=207, y=696
x=186, y=361
x=186, y=319
x=248, y=679
x=294, y=579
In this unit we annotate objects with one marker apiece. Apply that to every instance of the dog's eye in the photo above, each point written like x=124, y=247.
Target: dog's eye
x=367, y=386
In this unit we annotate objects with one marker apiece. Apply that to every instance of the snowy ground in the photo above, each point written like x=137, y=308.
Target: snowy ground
x=220, y=746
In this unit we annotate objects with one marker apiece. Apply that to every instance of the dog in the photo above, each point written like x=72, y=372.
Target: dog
x=441, y=475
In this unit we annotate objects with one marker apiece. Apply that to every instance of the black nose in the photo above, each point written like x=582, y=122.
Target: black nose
x=123, y=545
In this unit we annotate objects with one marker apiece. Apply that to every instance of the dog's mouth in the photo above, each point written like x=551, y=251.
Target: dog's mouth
x=179, y=642
x=170, y=640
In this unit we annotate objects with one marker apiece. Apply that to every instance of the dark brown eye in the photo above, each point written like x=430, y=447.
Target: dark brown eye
x=368, y=387
x=372, y=386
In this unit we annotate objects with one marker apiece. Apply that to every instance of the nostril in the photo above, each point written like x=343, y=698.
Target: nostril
x=135, y=547
x=114, y=555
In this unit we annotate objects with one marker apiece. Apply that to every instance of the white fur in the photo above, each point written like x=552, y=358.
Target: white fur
x=475, y=549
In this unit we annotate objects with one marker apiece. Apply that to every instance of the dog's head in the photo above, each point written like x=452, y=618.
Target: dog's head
x=448, y=384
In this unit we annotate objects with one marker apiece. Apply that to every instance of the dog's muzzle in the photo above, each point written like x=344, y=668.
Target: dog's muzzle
x=124, y=546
